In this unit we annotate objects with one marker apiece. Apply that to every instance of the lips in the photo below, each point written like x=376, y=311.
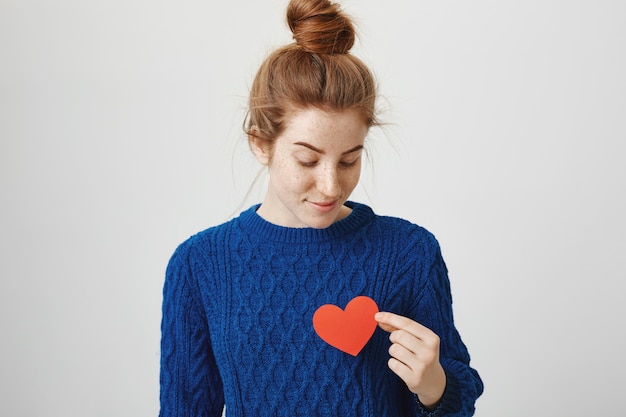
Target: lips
x=323, y=206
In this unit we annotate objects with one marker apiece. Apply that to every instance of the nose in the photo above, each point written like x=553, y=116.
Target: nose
x=328, y=183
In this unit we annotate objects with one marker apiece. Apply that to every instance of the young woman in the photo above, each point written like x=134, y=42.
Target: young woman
x=248, y=317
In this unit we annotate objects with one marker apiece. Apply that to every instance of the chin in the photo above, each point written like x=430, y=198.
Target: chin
x=322, y=223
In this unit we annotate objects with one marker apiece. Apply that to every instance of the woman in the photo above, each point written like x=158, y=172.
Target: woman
x=246, y=318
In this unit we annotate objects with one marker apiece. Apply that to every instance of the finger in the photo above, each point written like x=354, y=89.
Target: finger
x=403, y=355
x=386, y=327
x=404, y=372
x=397, y=322
x=406, y=340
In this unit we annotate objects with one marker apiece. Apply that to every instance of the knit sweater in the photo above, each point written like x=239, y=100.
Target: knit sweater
x=237, y=319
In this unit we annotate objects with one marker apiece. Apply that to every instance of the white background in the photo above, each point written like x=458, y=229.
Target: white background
x=120, y=129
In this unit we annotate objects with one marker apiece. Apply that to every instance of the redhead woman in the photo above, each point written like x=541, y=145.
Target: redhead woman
x=309, y=303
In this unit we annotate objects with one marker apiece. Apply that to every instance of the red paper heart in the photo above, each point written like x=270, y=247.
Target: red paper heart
x=348, y=330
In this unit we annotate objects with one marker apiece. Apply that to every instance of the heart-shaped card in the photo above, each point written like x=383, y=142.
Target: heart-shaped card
x=348, y=330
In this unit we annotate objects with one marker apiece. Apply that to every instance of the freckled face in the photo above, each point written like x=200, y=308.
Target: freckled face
x=314, y=166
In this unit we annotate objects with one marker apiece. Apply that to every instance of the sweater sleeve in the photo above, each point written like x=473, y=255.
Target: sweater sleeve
x=434, y=310
x=190, y=381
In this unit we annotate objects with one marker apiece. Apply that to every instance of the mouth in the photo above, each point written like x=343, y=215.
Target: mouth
x=323, y=206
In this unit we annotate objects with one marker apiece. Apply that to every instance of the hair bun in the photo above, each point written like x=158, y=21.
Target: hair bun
x=319, y=26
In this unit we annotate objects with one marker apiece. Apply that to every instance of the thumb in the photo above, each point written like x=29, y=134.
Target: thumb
x=383, y=325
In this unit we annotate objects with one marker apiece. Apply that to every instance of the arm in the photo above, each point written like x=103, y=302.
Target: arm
x=429, y=355
x=190, y=382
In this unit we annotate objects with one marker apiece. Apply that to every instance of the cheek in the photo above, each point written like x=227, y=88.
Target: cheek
x=293, y=177
x=352, y=177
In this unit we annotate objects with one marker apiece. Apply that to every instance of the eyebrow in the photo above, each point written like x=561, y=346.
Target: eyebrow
x=313, y=148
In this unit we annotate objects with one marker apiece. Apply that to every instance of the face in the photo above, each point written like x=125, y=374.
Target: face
x=314, y=166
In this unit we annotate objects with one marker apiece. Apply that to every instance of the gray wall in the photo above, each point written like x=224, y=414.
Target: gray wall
x=120, y=136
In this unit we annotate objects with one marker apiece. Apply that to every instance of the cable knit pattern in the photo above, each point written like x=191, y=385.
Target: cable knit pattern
x=237, y=320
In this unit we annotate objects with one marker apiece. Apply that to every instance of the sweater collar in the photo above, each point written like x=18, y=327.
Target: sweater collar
x=251, y=222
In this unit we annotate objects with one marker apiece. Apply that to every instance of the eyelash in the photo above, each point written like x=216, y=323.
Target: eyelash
x=341, y=164
x=348, y=164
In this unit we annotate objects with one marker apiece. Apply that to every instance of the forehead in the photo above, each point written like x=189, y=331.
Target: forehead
x=344, y=128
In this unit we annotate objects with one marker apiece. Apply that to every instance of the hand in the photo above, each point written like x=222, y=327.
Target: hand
x=414, y=357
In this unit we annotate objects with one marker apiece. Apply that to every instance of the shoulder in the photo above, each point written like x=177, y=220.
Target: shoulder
x=406, y=232
x=401, y=241
x=415, y=253
x=204, y=241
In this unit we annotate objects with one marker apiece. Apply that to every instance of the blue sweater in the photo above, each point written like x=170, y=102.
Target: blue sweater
x=237, y=319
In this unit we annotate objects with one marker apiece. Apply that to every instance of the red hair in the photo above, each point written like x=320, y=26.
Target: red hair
x=317, y=70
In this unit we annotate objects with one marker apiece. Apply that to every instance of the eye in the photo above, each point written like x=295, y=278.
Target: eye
x=348, y=164
x=308, y=163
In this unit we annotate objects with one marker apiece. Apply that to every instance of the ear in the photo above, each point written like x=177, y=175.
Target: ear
x=259, y=146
